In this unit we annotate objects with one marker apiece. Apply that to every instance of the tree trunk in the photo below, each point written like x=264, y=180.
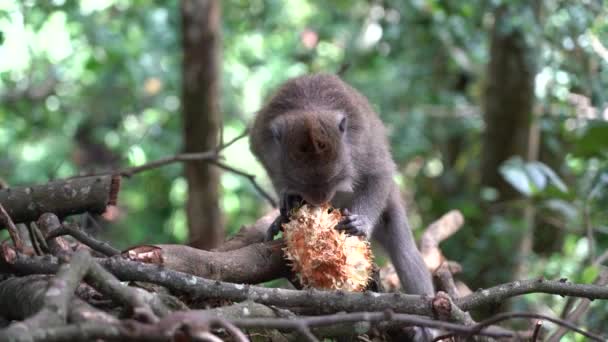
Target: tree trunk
x=508, y=102
x=201, y=117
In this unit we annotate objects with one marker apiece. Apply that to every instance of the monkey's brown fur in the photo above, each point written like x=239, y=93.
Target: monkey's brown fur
x=319, y=138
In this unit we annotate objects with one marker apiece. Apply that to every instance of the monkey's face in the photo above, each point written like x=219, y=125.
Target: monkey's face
x=314, y=158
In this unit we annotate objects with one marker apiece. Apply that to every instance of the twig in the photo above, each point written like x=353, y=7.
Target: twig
x=527, y=315
x=231, y=329
x=582, y=307
x=12, y=229
x=537, y=327
x=34, y=240
x=251, y=179
x=106, y=283
x=371, y=317
x=501, y=292
x=182, y=157
x=39, y=238
x=69, y=229
x=58, y=296
x=48, y=223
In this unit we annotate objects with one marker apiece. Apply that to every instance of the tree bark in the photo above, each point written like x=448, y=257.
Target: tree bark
x=508, y=101
x=201, y=117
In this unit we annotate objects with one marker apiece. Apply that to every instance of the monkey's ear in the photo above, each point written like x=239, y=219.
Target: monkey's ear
x=342, y=125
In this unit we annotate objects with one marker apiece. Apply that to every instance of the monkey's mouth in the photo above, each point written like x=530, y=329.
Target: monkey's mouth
x=317, y=198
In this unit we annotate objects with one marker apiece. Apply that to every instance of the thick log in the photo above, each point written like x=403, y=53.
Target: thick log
x=63, y=197
x=252, y=264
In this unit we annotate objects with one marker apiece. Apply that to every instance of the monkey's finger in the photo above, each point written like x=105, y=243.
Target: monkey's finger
x=349, y=219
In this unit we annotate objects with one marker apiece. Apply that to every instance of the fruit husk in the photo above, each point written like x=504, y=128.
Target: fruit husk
x=323, y=257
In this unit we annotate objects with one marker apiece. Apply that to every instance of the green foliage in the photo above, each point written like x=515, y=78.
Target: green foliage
x=87, y=86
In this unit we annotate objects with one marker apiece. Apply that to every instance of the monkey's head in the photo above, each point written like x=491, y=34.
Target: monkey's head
x=309, y=154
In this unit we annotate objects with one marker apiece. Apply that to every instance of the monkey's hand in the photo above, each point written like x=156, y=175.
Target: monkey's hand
x=353, y=224
x=288, y=201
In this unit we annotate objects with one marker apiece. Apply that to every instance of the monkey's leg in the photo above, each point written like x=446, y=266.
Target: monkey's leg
x=395, y=235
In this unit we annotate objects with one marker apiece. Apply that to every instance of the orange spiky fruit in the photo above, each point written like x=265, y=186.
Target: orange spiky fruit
x=322, y=256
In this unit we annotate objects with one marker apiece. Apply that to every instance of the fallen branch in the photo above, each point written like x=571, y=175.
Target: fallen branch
x=324, y=301
x=56, y=300
x=61, y=197
x=252, y=264
x=29, y=293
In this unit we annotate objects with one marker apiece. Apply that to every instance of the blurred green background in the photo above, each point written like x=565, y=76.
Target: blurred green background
x=94, y=85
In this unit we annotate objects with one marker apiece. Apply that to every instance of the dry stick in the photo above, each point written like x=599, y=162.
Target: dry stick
x=48, y=223
x=39, y=237
x=353, y=317
x=159, y=332
x=581, y=309
x=22, y=297
x=70, y=229
x=210, y=156
x=34, y=240
x=106, y=283
x=56, y=300
x=182, y=157
x=12, y=229
x=231, y=329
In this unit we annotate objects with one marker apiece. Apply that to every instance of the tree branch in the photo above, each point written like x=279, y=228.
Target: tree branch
x=501, y=292
x=325, y=301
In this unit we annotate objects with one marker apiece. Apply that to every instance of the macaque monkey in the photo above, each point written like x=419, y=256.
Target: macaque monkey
x=320, y=141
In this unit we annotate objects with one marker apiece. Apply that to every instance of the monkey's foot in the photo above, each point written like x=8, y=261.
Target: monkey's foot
x=353, y=224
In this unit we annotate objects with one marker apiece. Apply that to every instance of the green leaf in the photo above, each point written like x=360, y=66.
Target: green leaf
x=518, y=179
x=589, y=274
x=536, y=175
x=593, y=141
x=514, y=172
x=552, y=176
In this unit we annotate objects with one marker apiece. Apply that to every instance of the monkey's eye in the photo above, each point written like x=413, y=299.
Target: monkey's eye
x=342, y=125
x=276, y=134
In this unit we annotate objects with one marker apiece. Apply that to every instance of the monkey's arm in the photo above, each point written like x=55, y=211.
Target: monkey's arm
x=368, y=202
x=287, y=201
